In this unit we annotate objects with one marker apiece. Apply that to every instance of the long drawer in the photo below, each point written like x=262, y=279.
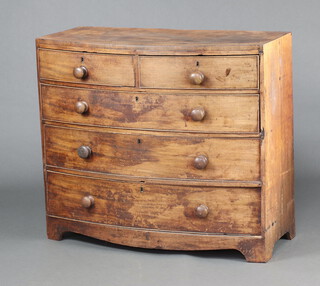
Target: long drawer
x=151, y=155
x=182, y=112
x=210, y=210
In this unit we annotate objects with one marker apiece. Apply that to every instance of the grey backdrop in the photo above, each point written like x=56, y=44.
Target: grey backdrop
x=28, y=258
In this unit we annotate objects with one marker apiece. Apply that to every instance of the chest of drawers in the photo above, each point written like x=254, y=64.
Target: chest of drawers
x=168, y=139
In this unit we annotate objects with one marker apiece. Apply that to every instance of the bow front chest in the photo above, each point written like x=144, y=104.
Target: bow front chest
x=168, y=139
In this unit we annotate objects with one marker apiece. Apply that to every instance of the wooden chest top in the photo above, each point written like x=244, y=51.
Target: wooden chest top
x=158, y=41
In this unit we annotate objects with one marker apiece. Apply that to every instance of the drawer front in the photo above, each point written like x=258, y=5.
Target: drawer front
x=212, y=210
x=185, y=112
x=102, y=69
x=219, y=72
x=148, y=155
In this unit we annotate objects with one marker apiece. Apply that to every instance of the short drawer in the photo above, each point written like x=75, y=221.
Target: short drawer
x=149, y=155
x=152, y=206
x=185, y=112
x=199, y=72
x=77, y=67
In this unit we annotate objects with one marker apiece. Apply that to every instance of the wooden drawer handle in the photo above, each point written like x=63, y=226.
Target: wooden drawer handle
x=80, y=72
x=197, y=78
x=81, y=107
x=198, y=114
x=84, y=152
x=201, y=162
x=202, y=211
x=87, y=202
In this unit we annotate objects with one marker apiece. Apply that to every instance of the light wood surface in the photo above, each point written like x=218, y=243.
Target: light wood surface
x=223, y=113
x=158, y=41
x=153, y=155
x=219, y=72
x=152, y=206
x=168, y=139
x=249, y=246
x=277, y=147
x=113, y=70
x=159, y=181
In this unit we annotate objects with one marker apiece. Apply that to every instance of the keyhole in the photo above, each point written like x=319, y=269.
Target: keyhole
x=141, y=190
x=137, y=98
x=139, y=141
x=82, y=59
x=197, y=63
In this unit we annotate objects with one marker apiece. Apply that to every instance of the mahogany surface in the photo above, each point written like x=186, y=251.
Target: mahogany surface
x=168, y=139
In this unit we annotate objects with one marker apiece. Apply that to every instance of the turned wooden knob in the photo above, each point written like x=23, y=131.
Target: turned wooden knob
x=197, y=77
x=87, y=202
x=197, y=114
x=80, y=72
x=202, y=211
x=200, y=162
x=84, y=152
x=81, y=107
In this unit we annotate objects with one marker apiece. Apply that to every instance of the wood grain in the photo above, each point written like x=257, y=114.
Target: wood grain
x=159, y=181
x=83, y=84
x=99, y=128
x=250, y=246
x=111, y=70
x=152, y=206
x=223, y=113
x=166, y=156
x=219, y=72
x=277, y=147
x=158, y=41
x=140, y=185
